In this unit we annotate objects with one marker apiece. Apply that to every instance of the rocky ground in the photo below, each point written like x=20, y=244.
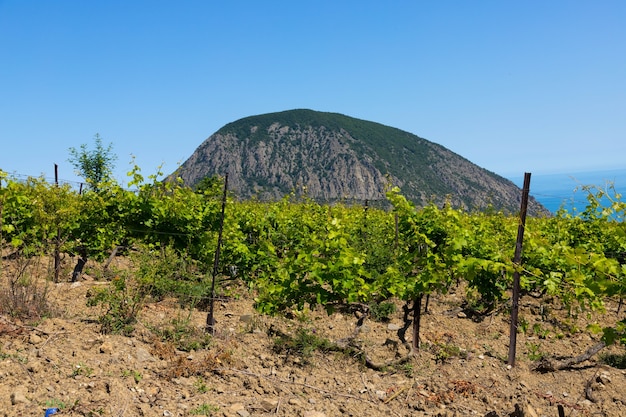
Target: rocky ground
x=262, y=366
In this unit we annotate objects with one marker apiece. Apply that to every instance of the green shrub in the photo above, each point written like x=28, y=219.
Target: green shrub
x=615, y=360
x=165, y=272
x=382, y=311
x=122, y=301
x=184, y=336
x=302, y=344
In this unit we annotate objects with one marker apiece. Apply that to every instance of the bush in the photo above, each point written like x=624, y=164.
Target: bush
x=302, y=344
x=21, y=295
x=122, y=301
x=184, y=336
x=382, y=311
x=165, y=272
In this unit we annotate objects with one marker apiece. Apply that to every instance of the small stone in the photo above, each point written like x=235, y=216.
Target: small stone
x=143, y=355
x=294, y=401
x=106, y=347
x=313, y=414
x=236, y=407
x=246, y=318
x=19, y=397
x=393, y=327
x=461, y=315
x=269, y=405
x=34, y=367
x=604, y=378
x=167, y=414
x=481, y=357
x=34, y=339
x=381, y=395
x=565, y=394
x=243, y=413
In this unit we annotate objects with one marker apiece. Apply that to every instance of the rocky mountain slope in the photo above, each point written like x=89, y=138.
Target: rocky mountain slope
x=336, y=157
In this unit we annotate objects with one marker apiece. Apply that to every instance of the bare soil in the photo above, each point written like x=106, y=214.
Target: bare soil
x=65, y=362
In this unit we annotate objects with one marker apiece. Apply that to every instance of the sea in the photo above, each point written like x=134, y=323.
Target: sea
x=567, y=191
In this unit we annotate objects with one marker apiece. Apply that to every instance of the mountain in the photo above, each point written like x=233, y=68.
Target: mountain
x=337, y=157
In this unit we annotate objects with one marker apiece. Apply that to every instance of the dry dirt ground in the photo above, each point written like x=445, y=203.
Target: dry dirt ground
x=65, y=362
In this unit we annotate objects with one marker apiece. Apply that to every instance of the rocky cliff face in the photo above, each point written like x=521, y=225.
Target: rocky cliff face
x=271, y=155
x=316, y=159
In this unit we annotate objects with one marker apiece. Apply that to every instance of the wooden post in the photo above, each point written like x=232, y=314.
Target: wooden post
x=57, y=242
x=516, y=260
x=417, y=318
x=210, y=320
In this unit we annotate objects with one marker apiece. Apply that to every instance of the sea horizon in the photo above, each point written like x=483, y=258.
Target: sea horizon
x=566, y=190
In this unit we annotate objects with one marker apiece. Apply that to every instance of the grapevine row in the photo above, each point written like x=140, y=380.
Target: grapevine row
x=296, y=253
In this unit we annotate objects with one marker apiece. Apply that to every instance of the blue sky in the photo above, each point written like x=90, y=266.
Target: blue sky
x=534, y=86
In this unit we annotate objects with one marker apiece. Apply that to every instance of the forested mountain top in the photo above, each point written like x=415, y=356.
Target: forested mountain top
x=337, y=157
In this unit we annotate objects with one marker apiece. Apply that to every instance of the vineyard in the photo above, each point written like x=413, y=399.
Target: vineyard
x=395, y=271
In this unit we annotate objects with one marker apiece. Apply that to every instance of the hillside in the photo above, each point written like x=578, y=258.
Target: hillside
x=65, y=361
x=336, y=157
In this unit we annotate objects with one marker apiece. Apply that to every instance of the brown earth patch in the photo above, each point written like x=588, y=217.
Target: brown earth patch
x=64, y=361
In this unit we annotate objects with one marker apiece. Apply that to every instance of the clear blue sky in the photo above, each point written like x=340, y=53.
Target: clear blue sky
x=533, y=86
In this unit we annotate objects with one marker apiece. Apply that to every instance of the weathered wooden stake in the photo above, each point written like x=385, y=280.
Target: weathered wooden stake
x=417, y=318
x=210, y=320
x=516, y=260
x=57, y=242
